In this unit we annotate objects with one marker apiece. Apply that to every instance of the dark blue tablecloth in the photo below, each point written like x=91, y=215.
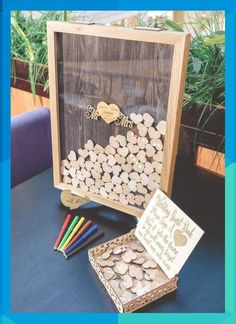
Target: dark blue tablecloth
x=43, y=281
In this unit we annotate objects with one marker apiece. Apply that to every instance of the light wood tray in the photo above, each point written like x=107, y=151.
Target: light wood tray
x=137, y=302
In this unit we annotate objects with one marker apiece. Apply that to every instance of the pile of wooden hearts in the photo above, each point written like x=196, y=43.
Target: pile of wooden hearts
x=127, y=170
x=130, y=270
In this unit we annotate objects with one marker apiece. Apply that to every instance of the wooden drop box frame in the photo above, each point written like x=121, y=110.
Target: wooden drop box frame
x=139, y=301
x=180, y=42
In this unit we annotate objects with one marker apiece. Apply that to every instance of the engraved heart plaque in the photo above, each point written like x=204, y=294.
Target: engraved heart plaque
x=179, y=238
x=108, y=113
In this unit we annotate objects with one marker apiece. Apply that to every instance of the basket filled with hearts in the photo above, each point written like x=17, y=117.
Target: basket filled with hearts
x=143, y=265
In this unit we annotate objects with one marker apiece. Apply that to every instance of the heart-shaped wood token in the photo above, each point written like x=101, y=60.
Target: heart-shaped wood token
x=158, y=145
x=106, y=167
x=108, y=187
x=65, y=163
x=120, y=159
x=108, y=273
x=125, y=189
x=123, y=151
x=142, y=130
x=132, y=185
x=113, y=142
x=142, y=141
x=99, y=183
x=161, y=127
x=152, y=185
x=128, y=256
x=89, y=145
x=179, y=238
x=134, y=176
x=72, y=172
x=110, y=150
x=116, y=170
x=130, y=198
x=142, y=156
x=72, y=156
x=131, y=138
x=150, y=151
x=88, y=165
x=102, y=157
x=127, y=282
x=81, y=162
x=135, y=272
x=149, y=264
x=74, y=164
x=95, y=174
x=153, y=133
x=148, y=168
x=123, y=200
x=93, y=156
x=139, y=167
x=126, y=167
x=118, y=189
x=148, y=120
x=98, y=149
x=83, y=153
x=144, y=179
x=141, y=189
x=121, y=140
x=157, y=166
x=113, y=196
x=103, y=192
x=111, y=160
x=106, y=177
x=155, y=176
x=124, y=177
x=136, y=118
x=120, y=267
x=133, y=148
x=75, y=182
x=158, y=156
x=139, y=199
x=116, y=180
x=108, y=113
x=64, y=171
x=89, y=182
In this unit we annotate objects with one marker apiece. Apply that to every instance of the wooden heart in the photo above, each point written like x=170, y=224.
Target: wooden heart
x=108, y=113
x=179, y=238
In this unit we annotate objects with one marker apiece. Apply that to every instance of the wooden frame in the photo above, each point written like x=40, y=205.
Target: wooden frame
x=180, y=41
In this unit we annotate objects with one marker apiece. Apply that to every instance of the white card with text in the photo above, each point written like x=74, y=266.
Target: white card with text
x=167, y=233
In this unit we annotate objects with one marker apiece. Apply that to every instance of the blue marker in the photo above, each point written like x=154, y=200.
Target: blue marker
x=84, y=237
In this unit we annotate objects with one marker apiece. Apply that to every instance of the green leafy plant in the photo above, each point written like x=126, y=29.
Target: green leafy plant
x=29, y=43
x=205, y=79
x=205, y=73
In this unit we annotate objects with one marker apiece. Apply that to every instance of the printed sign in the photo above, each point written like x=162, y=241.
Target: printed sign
x=167, y=233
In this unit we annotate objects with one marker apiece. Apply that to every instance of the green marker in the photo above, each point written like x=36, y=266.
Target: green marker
x=70, y=229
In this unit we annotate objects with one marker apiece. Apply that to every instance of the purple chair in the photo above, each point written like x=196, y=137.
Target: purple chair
x=31, y=150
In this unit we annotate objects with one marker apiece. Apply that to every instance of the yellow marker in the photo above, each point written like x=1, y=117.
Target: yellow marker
x=75, y=230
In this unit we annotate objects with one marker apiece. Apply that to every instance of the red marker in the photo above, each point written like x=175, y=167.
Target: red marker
x=82, y=230
x=63, y=229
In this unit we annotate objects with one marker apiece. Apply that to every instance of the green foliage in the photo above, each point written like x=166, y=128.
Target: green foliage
x=29, y=42
x=205, y=74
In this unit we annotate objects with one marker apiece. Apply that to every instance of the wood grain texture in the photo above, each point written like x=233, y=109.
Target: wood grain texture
x=131, y=74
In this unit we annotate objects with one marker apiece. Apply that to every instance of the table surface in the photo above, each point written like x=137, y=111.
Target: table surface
x=43, y=281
